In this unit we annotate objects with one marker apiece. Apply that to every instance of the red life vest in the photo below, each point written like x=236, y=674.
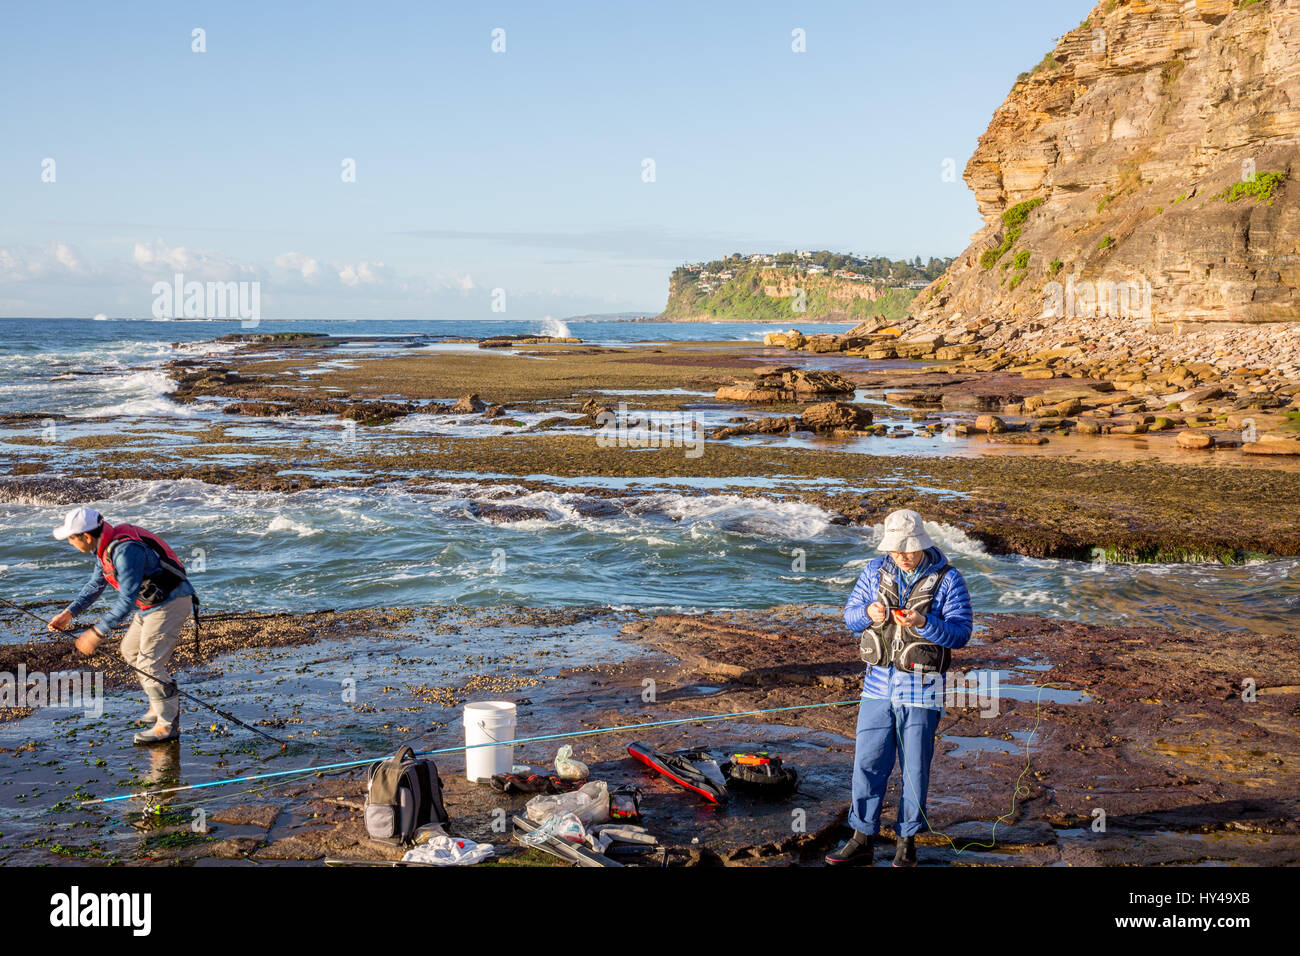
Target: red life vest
x=153, y=589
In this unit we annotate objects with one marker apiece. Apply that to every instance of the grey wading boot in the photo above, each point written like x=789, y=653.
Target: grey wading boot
x=152, y=736
x=857, y=850
x=905, y=851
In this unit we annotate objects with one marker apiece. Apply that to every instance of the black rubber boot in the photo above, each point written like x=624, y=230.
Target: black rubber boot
x=857, y=850
x=905, y=851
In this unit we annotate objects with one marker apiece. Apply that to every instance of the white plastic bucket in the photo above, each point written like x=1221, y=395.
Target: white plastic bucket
x=485, y=722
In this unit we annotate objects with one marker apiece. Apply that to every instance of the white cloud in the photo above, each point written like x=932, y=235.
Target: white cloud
x=57, y=259
x=66, y=256
x=305, y=266
x=155, y=258
x=363, y=273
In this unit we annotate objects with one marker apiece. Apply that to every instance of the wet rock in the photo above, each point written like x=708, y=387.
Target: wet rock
x=467, y=405
x=767, y=425
x=1277, y=447
x=1191, y=439
x=791, y=384
x=260, y=815
x=831, y=415
x=1019, y=439
x=496, y=513
x=990, y=423
x=377, y=413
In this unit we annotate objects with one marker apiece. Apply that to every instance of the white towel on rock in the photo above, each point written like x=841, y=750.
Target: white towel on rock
x=448, y=851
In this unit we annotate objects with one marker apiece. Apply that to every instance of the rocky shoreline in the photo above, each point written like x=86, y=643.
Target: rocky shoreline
x=1138, y=723
x=1122, y=380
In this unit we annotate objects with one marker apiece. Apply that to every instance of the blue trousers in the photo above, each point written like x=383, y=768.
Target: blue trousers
x=880, y=725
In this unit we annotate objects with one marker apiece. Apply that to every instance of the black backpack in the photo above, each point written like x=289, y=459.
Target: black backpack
x=402, y=795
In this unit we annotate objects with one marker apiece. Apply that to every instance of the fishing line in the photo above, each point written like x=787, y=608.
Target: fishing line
x=1015, y=792
x=198, y=700
x=300, y=774
x=464, y=747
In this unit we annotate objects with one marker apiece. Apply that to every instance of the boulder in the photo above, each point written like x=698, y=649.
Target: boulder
x=824, y=342
x=866, y=327
x=752, y=394
x=767, y=425
x=830, y=415
x=1199, y=396
x=1191, y=439
x=783, y=383
x=991, y=424
x=931, y=340
x=816, y=382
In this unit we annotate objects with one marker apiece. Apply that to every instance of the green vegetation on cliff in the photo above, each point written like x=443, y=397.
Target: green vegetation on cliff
x=788, y=287
x=1014, y=220
x=1261, y=187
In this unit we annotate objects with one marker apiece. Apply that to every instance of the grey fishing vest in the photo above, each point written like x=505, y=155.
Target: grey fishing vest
x=904, y=647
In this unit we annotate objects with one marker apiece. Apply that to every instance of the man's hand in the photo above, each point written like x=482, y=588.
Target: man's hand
x=876, y=611
x=60, y=621
x=88, y=642
x=914, y=619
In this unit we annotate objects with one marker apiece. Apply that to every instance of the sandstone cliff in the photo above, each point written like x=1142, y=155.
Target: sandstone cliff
x=1144, y=171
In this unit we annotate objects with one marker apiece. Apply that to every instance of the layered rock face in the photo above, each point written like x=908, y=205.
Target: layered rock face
x=1142, y=172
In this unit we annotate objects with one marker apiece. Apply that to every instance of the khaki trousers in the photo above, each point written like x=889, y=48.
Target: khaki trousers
x=149, y=644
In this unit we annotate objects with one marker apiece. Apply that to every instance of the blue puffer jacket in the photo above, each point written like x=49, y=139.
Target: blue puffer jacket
x=948, y=622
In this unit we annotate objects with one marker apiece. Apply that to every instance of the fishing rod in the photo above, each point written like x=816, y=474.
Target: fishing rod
x=449, y=750
x=187, y=696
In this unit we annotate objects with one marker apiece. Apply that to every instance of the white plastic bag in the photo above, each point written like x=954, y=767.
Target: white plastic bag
x=566, y=827
x=566, y=768
x=590, y=804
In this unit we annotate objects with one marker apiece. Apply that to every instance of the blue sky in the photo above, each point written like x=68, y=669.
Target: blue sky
x=477, y=170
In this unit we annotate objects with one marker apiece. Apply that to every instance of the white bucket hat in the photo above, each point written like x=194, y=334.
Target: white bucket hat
x=905, y=531
x=78, y=521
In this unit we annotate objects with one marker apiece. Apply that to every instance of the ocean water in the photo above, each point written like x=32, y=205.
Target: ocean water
x=647, y=546
x=87, y=367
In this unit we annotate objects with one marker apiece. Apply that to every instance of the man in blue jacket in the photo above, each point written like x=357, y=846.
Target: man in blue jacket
x=913, y=609
x=150, y=580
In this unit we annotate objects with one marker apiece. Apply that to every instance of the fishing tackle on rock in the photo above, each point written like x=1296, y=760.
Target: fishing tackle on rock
x=342, y=765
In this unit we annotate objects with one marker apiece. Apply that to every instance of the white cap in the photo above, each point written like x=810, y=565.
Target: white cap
x=905, y=531
x=78, y=521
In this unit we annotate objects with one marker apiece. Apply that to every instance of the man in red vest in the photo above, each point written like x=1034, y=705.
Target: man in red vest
x=150, y=580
